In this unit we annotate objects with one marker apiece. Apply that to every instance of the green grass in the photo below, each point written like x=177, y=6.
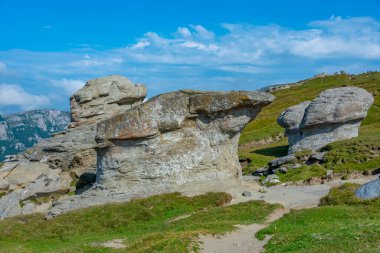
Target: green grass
x=342, y=223
x=357, y=154
x=162, y=223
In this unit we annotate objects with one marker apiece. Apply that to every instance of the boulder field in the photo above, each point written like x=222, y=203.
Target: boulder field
x=118, y=147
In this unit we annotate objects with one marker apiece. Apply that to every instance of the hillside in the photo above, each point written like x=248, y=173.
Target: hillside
x=22, y=130
x=263, y=139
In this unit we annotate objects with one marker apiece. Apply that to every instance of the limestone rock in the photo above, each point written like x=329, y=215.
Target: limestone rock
x=334, y=115
x=105, y=96
x=10, y=205
x=369, y=190
x=4, y=184
x=26, y=172
x=172, y=140
x=175, y=138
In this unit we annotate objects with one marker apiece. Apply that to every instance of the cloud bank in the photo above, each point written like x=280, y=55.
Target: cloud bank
x=231, y=56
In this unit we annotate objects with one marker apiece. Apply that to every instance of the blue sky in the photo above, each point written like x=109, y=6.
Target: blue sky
x=48, y=49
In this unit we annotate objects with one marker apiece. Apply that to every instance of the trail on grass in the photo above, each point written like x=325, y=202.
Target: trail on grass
x=243, y=239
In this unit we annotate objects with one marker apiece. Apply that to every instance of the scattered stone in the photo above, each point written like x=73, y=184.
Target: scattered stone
x=272, y=179
x=262, y=190
x=312, y=125
x=369, y=190
x=329, y=174
x=316, y=157
x=283, y=170
x=294, y=166
x=247, y=194
x=282, y=160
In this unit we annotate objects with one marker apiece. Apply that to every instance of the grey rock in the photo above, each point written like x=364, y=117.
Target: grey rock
x=329, y=173
x=247, y=194
x=294, y=166
x=317, y=156
x=283, y=170
x=369, y=190
x=109, y=96
x=172, y=140
x=271, y=179
x=4, y=184
x=282, y=160
x=10, y=205
x=50, y=183
x=334, y=115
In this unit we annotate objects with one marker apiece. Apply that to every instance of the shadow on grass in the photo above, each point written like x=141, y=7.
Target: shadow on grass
x=278, y=151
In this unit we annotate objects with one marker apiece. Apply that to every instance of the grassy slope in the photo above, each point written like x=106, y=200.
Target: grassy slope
x=342, y=223
x=163, y=223
x=344, y=155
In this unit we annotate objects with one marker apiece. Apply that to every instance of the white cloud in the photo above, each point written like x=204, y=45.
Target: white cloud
x=14, y=95
x=242, y=56
x=68, y=85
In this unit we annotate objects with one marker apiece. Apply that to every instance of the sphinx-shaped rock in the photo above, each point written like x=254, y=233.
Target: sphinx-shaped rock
x=173, y=141
x=334, y=115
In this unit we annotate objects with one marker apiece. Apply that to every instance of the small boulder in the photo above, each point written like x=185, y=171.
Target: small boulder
x=272, y=179
x=247, y=194
x=281, y=160
x=369, y=190
x=4, y=184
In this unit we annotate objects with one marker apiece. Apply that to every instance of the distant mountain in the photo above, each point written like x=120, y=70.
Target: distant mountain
x=22, y=130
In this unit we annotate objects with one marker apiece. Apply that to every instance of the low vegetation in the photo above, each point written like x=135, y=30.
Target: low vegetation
x=162, y=223
x=342, y=223
x=358, y=154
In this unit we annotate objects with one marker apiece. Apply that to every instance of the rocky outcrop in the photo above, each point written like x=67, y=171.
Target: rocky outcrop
x=174, y=140
x=69, y=157
x=104, y=97
x=137, y=149
x=334, y=115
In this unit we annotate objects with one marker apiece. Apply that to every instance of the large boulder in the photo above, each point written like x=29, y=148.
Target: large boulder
x=334, y=115
x=174, y=140
x=369, y=190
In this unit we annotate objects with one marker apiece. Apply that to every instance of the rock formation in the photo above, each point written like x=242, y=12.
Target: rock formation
x=69, y=157
x=170, y=141
x=335, y=114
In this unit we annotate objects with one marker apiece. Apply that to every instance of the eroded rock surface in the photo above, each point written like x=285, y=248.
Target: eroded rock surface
x=171, y=141
x=53, y=166
x=334, y=115
x=105, y=96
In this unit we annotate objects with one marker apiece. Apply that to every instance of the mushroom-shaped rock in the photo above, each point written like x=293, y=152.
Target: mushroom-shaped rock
x=174, y=139
x=334, y=115
x=105, y=96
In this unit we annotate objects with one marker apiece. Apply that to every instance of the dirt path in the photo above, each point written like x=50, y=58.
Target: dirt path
x=243, y=240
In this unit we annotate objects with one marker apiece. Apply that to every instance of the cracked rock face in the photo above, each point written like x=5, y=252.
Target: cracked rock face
x=136, y=149
x=105, y=96
x=68, y=155
x=175, y=139
x=334, y=115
